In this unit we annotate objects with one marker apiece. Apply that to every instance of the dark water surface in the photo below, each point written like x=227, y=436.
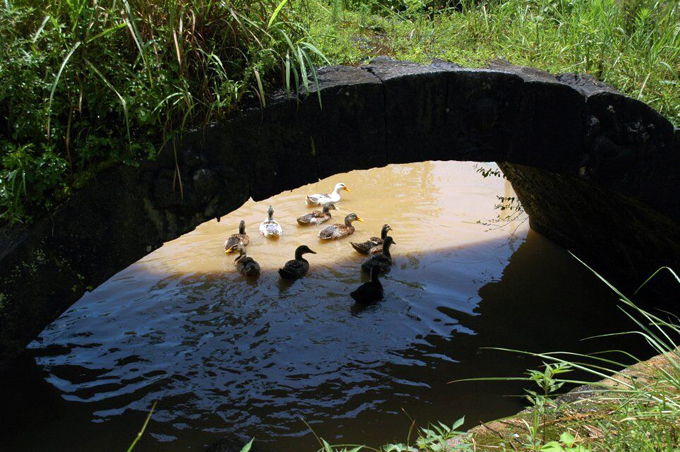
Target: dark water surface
x=224, y=356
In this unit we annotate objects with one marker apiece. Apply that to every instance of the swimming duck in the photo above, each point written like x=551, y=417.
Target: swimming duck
x=317, y=217
x=340, y=230
x=371, y=291
x=237, y=239
x=298, y=267
x=270, y=227
x=246, y=265
x=319, y=199
x=383, y=261
x=374, y=244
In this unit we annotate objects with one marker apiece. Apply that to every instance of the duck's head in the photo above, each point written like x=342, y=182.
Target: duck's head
x=270, y=212
x=340, y=186
x=385, y=229
x=351, y=217
x=389, y=241
x=329, y=206
x=242, y=227
x=304, y=249
x=240, y=249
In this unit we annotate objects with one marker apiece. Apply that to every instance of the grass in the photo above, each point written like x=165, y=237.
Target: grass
x=89, y=83
x=633, y=44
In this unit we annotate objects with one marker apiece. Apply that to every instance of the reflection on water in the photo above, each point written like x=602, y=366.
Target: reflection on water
x=223, y=356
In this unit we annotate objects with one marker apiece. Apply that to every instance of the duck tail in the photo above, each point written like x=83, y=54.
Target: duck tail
x=253, y=271
x=286, y=274
x=359, y=247
x=355, y=296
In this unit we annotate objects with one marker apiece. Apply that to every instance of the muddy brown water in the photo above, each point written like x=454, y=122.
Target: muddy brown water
x=224, y=356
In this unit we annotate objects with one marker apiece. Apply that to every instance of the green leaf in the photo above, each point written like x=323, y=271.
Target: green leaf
x=247, y=447
x=552, y=446
x=276, y=12
x=567, y=438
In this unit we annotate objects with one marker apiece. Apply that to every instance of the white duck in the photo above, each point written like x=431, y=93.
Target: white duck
x=270, y=227
x=320, y=199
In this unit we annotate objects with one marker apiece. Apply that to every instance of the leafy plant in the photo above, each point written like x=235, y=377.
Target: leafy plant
x=567, y=443
x=97, y=82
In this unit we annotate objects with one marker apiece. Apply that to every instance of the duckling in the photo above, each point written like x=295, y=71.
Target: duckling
x=246, y=265
x=317, y=217
x=270, y=227
x=237, y=239
x=371, y=291
x=374, y=244
x=382, y=261
x=298, y=267
x=340, y=230
x=319, y=199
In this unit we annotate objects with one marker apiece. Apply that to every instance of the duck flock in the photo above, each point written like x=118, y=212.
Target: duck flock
x=379, y=262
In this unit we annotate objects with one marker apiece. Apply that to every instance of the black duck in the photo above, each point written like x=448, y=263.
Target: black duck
x=298, y=267
x=383, y=261
x=370, y=292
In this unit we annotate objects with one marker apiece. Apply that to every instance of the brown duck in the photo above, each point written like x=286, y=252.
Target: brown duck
x=244, y=264
x=237, y=239
x=318, y=216
x=374, y=244
x=340, y=230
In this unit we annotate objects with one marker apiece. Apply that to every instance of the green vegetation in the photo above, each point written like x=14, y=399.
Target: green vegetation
x=141, y=432
x=90, y=83
x=637, y=410
x=633, y=44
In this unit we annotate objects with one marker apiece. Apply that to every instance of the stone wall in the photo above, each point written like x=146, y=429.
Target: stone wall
x=589, y=164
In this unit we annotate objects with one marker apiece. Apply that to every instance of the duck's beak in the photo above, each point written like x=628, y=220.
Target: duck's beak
x=229, y=251
x=346, y=189
x=359, y=219
x=313, y=252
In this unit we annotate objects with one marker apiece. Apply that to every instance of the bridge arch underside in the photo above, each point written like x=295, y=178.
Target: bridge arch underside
x=597, y=172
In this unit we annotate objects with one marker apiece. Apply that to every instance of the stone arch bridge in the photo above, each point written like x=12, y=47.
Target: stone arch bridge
x=597, y=172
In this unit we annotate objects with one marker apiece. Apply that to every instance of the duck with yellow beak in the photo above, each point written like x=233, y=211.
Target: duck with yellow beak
x=340, y=230
x=320, y=199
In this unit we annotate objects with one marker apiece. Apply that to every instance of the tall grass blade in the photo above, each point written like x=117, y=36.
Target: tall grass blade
x=56, y=82
x=276, y=12
x=122, y=101
x=141, y=432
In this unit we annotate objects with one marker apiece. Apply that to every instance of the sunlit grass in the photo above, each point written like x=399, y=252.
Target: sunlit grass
x=90, y=82
x=633, y=45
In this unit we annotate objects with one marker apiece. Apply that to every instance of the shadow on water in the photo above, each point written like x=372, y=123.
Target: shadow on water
x=257, y=369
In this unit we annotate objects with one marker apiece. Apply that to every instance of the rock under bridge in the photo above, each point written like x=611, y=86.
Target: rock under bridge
x=597, y=172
